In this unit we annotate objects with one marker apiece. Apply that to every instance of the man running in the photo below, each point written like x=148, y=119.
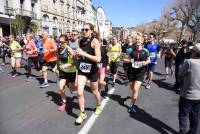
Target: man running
x=154, y=50
x=49, y=58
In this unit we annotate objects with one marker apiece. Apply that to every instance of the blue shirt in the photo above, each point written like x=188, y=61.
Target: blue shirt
x=39, y=44
x=154, y=49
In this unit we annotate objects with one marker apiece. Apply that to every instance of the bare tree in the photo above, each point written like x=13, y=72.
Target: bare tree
x=183, y=11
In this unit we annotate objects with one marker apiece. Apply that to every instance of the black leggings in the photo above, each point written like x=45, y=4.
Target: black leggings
x=31, y=60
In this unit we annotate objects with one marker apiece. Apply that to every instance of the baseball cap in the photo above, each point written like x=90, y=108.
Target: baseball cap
x=196, y=48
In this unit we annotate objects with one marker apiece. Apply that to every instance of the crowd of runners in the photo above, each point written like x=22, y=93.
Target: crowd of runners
x=76, y=58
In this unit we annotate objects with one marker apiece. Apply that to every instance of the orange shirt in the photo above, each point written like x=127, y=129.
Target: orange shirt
x=49, y=45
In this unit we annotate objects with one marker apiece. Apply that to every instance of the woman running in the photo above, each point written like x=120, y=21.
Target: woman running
x=31, y=51
x=67, y=70
x=114, y=52
x=139, y=58
x=16, y=55
x=88, y=56
x=169, y=57
x=103, y=64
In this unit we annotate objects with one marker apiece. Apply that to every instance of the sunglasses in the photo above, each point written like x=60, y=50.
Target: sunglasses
x=85, y=30
x=62, y=42
x=73, y=34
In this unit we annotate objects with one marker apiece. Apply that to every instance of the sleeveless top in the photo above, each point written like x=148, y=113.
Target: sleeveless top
x=63, y=59
x=114, y=51
x=86, y=65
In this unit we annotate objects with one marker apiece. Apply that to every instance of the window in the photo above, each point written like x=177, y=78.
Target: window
x=45, y=18
x=55, y=20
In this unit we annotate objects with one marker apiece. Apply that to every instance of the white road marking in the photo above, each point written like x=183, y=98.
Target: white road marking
x=88, y=125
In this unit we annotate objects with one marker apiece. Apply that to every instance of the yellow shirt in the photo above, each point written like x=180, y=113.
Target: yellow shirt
x=114, y=51
x=15, y=45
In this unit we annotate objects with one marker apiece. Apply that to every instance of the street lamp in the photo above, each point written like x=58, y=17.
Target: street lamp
x=9, y=11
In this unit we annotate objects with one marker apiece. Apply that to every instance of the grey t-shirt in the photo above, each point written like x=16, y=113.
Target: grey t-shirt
x=190, y=71
x=74, y=45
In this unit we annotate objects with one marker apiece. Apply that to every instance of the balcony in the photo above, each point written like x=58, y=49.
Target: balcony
x=44, y=8
x=24, y=12
x=9, y=11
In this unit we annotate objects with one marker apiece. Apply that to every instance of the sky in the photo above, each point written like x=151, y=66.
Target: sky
x=131, y=12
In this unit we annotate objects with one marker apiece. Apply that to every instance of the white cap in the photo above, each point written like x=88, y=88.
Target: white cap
x=196, y=48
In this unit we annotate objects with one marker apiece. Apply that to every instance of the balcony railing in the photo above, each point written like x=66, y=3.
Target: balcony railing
x=24, y=12
x=45, y=8
x=9, y=11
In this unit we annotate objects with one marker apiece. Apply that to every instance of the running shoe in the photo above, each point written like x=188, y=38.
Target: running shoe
x=62, y=107
x=98, y=110
x=28, y=79
x=15, y=75
x=44, y=85
x=131, y=109
x=148, y=86
x=82, y=116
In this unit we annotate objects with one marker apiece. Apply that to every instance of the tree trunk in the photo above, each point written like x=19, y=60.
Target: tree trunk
x=183, y=29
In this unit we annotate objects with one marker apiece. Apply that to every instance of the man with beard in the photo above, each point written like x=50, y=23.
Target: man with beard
x=74, y=41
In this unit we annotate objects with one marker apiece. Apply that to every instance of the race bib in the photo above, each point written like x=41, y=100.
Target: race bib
x=85, y=67
x=137, y=64
x=114, y=55
x=152, y=54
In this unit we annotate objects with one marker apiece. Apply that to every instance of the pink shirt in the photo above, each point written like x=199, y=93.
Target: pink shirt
x=30, y=47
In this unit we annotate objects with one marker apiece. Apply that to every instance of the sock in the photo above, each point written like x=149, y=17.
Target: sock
x=14, y=70
x=45, y=80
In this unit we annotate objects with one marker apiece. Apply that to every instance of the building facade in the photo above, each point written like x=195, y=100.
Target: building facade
x=10, y=8
x=53, y=16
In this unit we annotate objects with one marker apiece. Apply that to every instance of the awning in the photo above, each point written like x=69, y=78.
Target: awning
x=4, y=20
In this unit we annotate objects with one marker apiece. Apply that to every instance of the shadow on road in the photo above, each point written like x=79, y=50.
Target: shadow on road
x=144, y=117
x=165, y=85
x=56, y=98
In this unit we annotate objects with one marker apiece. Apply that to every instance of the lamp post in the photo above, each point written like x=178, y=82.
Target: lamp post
x=9, y=12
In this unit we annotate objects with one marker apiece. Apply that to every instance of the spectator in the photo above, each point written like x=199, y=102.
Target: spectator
x=190, y=92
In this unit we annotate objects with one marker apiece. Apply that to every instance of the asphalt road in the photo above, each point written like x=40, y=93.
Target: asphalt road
x=27, y=109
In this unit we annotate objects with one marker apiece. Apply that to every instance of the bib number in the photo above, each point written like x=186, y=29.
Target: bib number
x=85, y=67
x=152, y=54
x=136, y=64
x=113, y=55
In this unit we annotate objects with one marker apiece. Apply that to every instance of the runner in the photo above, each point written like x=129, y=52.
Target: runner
x=67, y=71
x=89, y=55
x=49, y=58
x=114, y=52
x=125, y=52
x=16, y=55
x=102, y=65
x=39, y=45
x=74, y=42
x=139, y=58
x=169, y=57
x=31, y=52
x=154, y=50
